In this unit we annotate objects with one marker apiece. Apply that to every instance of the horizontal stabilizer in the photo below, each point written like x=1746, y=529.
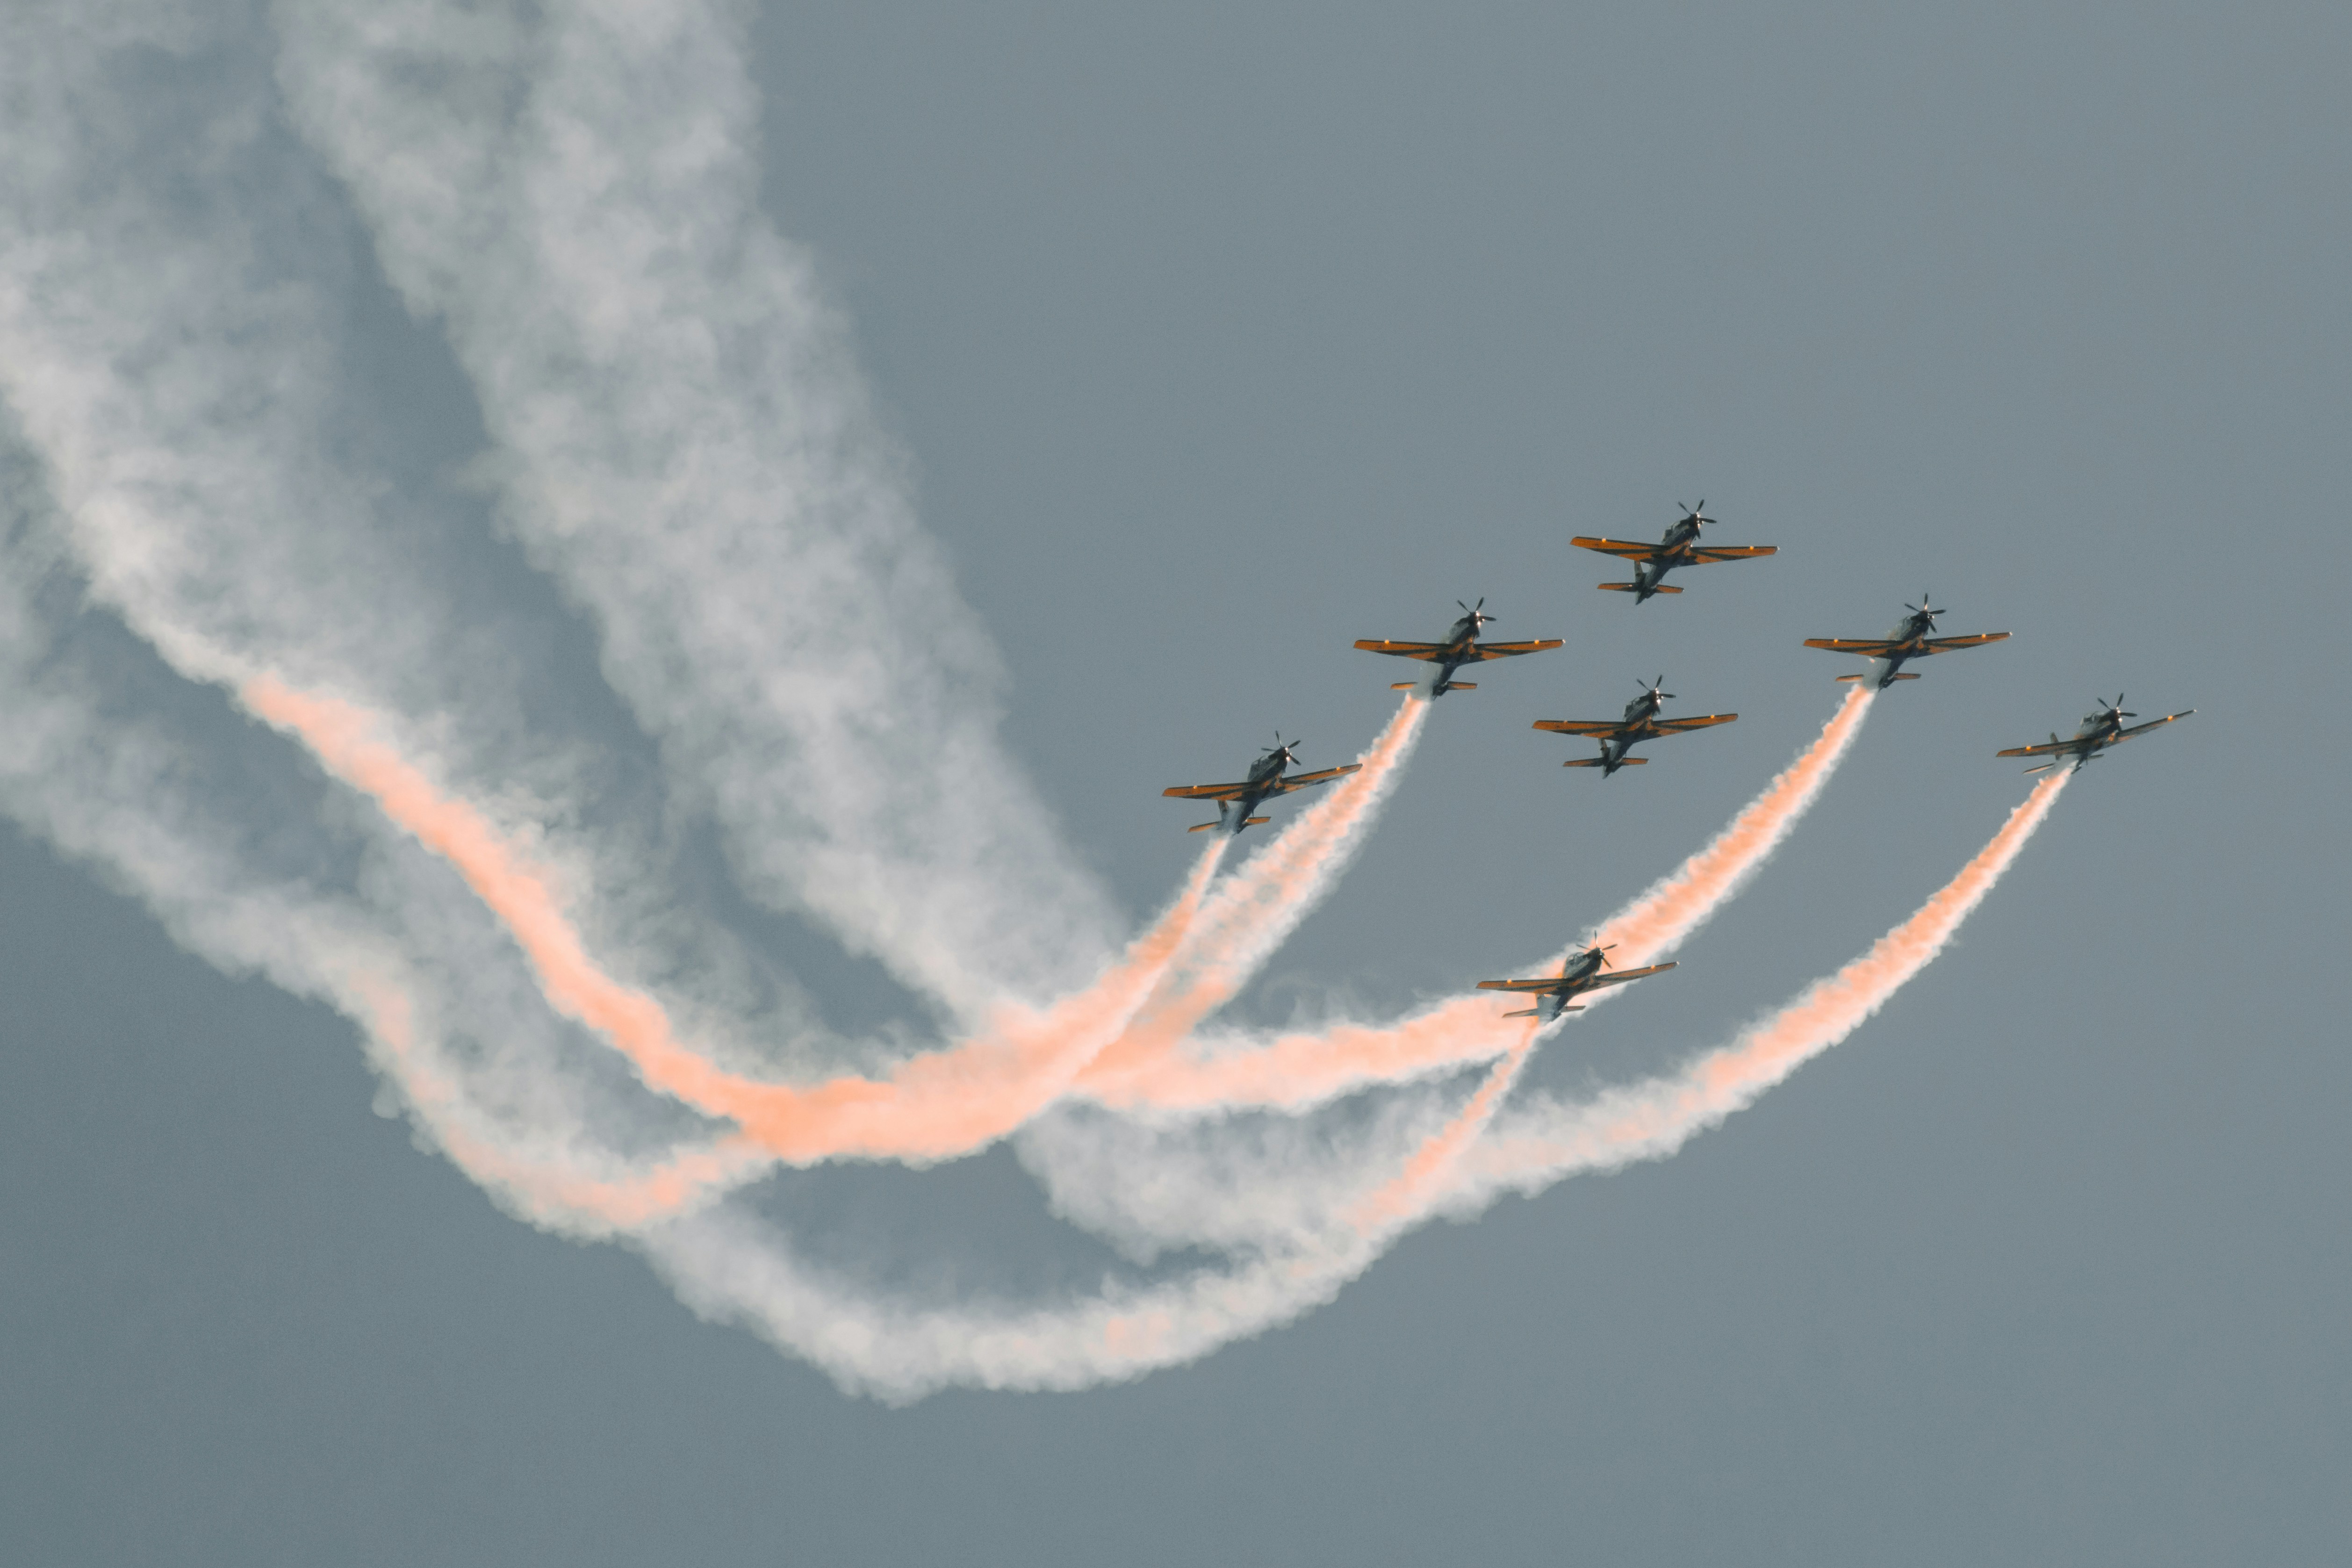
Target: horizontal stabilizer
x=1404, y=686
x=1461, y=686
x=1906, y=675
x=1582, y=762
x=1524, y=1013
x=1618, y=587
x=1253, y=821
x=1204, y=826
x=1857, y=675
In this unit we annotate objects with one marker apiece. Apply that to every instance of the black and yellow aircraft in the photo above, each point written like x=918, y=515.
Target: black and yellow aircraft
x=2098, y=731
x=1461, y=646
x=1908, y=640
x=1680, y=547
x=1237, y=801
x=1641, y=723
x=1580, y=974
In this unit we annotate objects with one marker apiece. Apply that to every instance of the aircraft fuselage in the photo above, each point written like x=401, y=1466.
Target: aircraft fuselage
x=1910, y=640
x=1674, y=550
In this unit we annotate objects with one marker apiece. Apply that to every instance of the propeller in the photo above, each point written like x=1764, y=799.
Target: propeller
x=1925, y=606
x=1477, y=612
x=1288, y=751
x=2116, y=706
x=1603, y=952
x=1696, y=514
x=1654, y=686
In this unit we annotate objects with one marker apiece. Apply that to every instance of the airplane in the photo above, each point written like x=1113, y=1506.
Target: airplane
x=1580, y=974
x=1907, y=641
x=2099, y=731
x=1680, y=547
x=1641, y=723
x=1461, y=646
x=1237, y=801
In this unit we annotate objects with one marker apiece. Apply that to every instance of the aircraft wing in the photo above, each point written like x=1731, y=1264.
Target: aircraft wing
x=1701, y=554
x=1285, y=786
x=1868, y=648
x=1618, y=976
x=2047, y=749
x=1423, y=650
x=1484, y=650
x=1579, y=726
x=1626, y=548
x=2153, y=725
x=1946, y=645
x=1696, y=721
x=1208, y=792
x=1553, y=983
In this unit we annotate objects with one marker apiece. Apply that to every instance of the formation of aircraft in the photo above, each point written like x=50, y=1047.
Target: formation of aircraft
x=1640, y=723
x=2099, y=731
x=1461, y=646
x=1907, y=641
x=1579, y=974
x=1912, y=639
x=1680, y=547
x=1265, y=782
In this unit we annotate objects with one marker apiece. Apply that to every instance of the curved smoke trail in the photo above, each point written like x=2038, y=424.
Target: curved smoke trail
x=1546, y=1139
x=205, y=512
x=1302, y=1069
x=728, y=1268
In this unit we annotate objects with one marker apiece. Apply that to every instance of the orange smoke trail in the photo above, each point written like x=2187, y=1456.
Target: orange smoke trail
x=1301, y=1069
x=1259, y=905
x=548, y=1194
x=1407, y=1195
x=1670, y=908
x=1654, y=1119
x=931, y=1108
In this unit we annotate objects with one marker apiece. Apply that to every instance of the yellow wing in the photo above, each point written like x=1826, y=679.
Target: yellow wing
x=1618, y=976
x=1703, y=555
x=1423, y=650
x=1284, y=787
x=1698, y=722
x=1867, y=646
x=1579, y=726
x=1207, y=792
x=1626, y=548
x=1554, y=984
x=1977, y=639
x=1483, y=650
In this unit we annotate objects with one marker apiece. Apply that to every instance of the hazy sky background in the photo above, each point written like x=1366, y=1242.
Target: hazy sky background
x=1217, y=338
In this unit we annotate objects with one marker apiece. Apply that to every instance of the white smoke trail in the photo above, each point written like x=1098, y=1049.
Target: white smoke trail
x=1546, y=1139
x=678, y=440
x=727, y=1268
x=683, y=442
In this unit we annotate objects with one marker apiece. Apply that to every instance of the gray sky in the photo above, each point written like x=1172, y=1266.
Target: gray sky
x=1213, y=341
